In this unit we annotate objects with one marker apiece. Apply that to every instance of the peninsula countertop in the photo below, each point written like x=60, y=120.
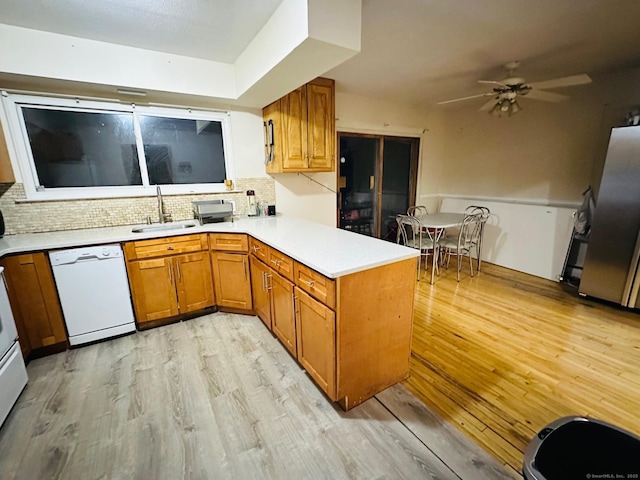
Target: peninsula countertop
x=330, y=251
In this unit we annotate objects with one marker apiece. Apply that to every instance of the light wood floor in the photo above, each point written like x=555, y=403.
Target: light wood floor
x=217, y=397
x=502, y=354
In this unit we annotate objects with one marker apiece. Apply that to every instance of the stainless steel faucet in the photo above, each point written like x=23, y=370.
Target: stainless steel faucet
x=160, y=213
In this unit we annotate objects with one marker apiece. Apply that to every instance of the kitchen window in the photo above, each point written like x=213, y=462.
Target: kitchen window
x=71, y=148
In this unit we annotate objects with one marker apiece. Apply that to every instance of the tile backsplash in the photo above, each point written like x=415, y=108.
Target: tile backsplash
x=29, y=217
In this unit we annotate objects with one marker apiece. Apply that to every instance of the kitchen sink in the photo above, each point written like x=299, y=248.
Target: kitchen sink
x=160, y=227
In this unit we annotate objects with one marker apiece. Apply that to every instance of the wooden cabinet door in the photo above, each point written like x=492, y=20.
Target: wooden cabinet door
x=194, y=281
x=283, y=319
x=153, y=289
x=231, y=280
x=294, y=130
x=260, y=285
x=6, y=171
x=320, y=129
x=316, y=335
x=34, y=301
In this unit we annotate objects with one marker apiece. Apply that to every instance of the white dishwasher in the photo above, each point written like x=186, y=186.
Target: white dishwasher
x=94, y=292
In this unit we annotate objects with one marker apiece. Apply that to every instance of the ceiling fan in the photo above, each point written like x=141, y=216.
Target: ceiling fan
x=507, y=91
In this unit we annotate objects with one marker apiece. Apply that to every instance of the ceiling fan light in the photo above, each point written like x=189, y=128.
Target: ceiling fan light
x=501, y=108
x=505, y=108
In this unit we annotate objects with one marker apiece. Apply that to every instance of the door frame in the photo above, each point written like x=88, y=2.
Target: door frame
x=378, y=169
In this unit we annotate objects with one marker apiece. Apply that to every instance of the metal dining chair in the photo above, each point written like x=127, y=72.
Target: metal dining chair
x=484, y=213
x=411, y=234
x=417, y=210
x=466, y=242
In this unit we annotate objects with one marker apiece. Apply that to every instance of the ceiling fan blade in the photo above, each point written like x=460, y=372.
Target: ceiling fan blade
x=487, y=106
x=493, y=82
x=581, y=79
x=546, y=96
x=468, y=98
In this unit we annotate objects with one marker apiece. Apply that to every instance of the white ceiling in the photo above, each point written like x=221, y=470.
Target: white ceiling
x=211, y=29
x=424, y=51
x=413, y=51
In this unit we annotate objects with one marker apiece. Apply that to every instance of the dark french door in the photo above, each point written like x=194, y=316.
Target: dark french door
x=377, y=178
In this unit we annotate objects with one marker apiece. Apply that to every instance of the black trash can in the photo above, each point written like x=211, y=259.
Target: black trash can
x=582, y=448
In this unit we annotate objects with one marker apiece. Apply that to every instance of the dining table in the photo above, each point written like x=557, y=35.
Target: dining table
x=438, y=222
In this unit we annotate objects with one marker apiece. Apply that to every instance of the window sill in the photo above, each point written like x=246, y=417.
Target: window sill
x=119, y=197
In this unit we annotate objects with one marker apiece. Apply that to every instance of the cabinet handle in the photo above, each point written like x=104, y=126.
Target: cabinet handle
x=293, y=303
x=267, y=276
x=276, y=262
x=244, y=267
x=310, y=284
x=169, y=247
x=170, y=275
x=178, y=269
x=256, y=248
x=271, y=140
x=264, y=286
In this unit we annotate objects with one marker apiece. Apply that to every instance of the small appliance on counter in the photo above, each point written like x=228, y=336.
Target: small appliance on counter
x=252, y=209
x=209, y=211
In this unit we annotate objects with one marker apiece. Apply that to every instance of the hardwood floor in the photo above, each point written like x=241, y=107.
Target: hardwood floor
x=502, y=354
x=217, y=397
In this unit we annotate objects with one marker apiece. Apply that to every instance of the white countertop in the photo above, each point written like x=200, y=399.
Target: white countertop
x=330, y=251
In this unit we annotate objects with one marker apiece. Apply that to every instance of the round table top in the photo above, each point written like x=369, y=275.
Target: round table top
x=441, y=220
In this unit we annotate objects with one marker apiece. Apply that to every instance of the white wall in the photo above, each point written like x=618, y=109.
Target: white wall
x=548, y=153
x=51, y=55
x=543, y=154
x=524, y=237
x=530, y=169
x=299, y=42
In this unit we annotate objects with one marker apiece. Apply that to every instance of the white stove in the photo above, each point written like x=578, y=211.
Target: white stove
x=13, y=373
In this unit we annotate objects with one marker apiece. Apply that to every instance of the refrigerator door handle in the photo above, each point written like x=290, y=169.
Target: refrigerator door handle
x=632, y=285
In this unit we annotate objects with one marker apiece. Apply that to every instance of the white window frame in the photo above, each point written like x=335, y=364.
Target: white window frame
x=12, y=104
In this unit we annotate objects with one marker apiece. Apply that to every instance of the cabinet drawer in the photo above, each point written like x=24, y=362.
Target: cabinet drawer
x=158, y=247
x=316, y=285
x=281, y=263
x=259, y=250
x=230, y=242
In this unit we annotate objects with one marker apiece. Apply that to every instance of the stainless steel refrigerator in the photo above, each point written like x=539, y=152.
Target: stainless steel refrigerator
x=610, y=269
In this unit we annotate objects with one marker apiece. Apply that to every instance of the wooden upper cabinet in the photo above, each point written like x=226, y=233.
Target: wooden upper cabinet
x=321, y=126
x=34, y=301
x=6, y=171
x=294, y=130
x=303, y=129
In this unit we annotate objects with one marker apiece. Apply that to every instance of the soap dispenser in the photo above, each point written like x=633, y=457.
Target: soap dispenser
x=252, y=210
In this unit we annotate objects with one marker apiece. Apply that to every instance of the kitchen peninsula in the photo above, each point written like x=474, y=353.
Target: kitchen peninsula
x=341, y=303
